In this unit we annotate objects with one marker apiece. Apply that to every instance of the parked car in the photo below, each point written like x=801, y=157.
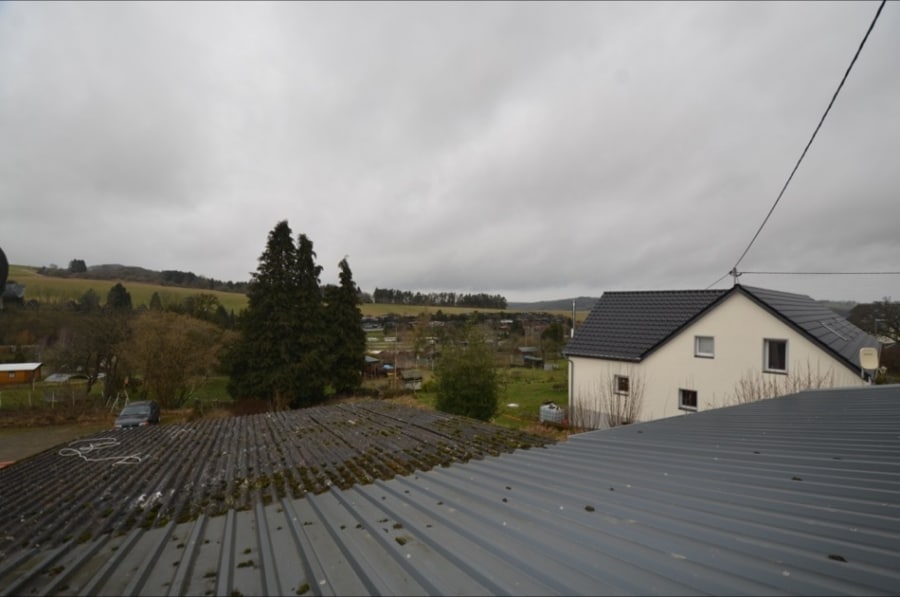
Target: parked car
x=138, y=414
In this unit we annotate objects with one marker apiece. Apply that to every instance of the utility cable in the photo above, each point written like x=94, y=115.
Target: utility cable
x=815, y=132
x=717, y=281
x=823, y=273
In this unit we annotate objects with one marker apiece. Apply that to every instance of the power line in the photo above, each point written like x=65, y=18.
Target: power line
x=820, y=274
x=897, y=273
x=717, y=281
x=815, y=132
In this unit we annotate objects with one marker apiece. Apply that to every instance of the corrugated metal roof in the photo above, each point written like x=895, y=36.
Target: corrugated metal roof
x=119, y=479
x=793, y=495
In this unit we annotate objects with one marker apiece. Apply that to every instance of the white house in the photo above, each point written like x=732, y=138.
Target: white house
x=646, y=355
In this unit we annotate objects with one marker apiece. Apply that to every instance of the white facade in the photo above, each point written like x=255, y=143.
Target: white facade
x=730, y=368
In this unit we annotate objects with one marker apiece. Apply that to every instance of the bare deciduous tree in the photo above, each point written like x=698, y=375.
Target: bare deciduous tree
x=605, y=405
x=755, y=386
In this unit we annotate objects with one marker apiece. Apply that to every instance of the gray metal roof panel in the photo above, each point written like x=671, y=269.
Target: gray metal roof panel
x=798, y=495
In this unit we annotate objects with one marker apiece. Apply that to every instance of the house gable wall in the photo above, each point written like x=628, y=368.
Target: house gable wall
x=739, y=327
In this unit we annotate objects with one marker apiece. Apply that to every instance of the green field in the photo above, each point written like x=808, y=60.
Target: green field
x=48, y=289
x=52, y=290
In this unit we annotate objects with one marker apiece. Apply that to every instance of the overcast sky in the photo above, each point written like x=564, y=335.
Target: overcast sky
x=538, y=151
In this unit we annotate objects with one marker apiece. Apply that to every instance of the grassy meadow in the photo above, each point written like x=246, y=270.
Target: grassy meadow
x=52, y=290
x=48, y=289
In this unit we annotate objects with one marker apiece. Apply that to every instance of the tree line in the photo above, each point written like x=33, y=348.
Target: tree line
x=77, y=268
x=392, y=296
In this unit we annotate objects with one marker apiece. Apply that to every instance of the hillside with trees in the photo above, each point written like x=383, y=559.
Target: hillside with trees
x=127, y=273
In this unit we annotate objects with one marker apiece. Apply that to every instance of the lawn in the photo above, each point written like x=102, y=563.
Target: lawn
x=523, y=392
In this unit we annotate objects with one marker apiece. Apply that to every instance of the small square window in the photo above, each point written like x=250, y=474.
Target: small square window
x=687, y=399
x=621, y=384
x=12, y=375
x=704, y=346
x=775, y=356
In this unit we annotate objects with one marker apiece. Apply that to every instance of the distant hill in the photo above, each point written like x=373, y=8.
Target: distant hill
x=582, y=303
x=130, y=273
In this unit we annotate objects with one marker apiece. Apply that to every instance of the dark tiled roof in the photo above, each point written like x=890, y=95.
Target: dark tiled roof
x=795, y=495
x=819, y=323
x=628, y=325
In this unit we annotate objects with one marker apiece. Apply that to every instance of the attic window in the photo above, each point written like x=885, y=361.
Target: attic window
x=621, y=384
x=775, y=356
x=704, y=346
x=687, y=399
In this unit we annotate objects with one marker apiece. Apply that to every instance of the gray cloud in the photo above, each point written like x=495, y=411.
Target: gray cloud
x=535, y=150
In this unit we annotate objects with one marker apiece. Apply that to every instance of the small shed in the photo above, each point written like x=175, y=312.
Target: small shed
x=371, y=366
x=19, y=373
x=531, y=356
x=412, y=379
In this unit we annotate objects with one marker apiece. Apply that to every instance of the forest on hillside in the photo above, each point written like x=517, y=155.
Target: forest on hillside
x=128, y=273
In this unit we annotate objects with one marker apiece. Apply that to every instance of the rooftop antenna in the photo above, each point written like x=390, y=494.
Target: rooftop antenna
x=735, y=275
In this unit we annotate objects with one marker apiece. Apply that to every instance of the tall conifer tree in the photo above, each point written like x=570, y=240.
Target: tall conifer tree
x=259, y=361
x=346, y=338
x=309, y=374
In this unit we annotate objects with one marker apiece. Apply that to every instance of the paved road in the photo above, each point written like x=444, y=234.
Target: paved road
x=17, y=443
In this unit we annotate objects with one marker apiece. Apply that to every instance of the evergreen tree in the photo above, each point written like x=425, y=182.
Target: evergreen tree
x=118, y=298
x=309, y=376
x=260, y=360
x=346, y=339
x=89, y=301
x=155, y=302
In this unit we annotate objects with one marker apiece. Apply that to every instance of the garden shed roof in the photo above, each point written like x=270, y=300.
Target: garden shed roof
x=7, y=367
x=798, y=495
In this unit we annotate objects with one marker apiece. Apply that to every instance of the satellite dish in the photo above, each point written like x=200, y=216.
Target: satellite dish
x=868, y=358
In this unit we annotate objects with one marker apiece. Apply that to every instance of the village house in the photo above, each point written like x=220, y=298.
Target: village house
x=647, y=355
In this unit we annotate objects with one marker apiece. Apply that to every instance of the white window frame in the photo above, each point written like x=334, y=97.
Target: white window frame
x=767, y=343
x=681, y=396
x=701, y=353
x=617, y=381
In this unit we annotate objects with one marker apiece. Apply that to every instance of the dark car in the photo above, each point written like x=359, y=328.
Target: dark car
x=138, y=414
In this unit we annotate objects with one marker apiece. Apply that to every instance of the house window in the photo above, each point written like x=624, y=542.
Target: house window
x=775, y=356
x=687, y=399
x=12, y=375
x=704, y=346
x=621, y=384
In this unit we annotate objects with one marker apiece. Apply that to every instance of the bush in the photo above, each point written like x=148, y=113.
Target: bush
x=466, y=379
